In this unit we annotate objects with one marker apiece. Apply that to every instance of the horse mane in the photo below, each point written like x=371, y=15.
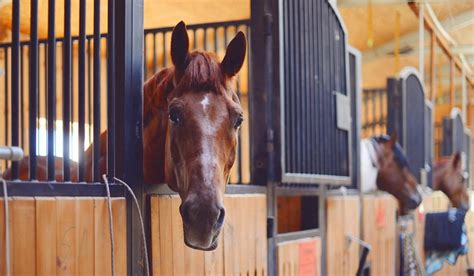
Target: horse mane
x=399, y=155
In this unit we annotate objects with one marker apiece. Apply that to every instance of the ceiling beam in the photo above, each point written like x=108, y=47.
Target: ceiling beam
x=411, y=39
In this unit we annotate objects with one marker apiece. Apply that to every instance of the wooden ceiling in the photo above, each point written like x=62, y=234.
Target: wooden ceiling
x=376, y=70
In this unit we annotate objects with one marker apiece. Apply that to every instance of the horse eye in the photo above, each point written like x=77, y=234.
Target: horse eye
x=238, y=122
x=174, y=117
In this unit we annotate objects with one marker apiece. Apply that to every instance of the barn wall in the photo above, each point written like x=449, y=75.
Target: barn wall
x=379, y=230
x=63, y=235
x=343, y=213
x=242, y=248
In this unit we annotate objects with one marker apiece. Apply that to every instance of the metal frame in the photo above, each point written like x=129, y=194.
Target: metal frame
x=356, y=114
x=429, y=159
x=299, y=177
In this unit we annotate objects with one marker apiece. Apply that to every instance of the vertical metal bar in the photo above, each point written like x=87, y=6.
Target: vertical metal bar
x=205, y=39
x=82, y=87
x=96, y=129
x=22, y=97
x=145, y=57
x=239, y=141
x=164, y=62
x=7, y=98
x=215, y=40
x=194, y=39
x=111, y=90
x=51, y=87
x=15, y=82
x=154, y=53
x=128, y=147
x=89, y=89
x=33, y=87
x=66, y=88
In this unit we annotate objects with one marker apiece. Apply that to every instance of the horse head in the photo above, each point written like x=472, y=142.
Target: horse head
x=200, y=116
x=450, y=179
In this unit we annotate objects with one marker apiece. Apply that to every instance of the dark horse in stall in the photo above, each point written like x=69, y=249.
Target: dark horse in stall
x=449, y=178
x=384, y=166
x=191, y=118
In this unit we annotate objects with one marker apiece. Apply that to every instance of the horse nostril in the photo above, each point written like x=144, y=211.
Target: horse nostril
x=220, y=219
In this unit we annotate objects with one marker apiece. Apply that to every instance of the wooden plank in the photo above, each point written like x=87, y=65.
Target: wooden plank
x=166, y=230
x=24, y=238
x=261, y=235
x=178, y=238
x=85, y=235
x=240, y=203
x=231, y=259
x=214, y=260
x=46, y=220
x=249, y=217
x=335, y=235
x=66, y=235
x=155, y=236
x=119, y=214
x=102, y=247
x=2, y=234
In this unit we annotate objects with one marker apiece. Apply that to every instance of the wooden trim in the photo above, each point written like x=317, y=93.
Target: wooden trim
x=442, y=42
x=433, y=90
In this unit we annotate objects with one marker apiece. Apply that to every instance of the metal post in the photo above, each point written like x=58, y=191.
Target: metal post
x=129, y=39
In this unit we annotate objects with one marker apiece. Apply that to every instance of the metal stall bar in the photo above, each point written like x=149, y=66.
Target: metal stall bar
x=51, y=87
x=67, y=64
x=82, y=87
x=129, y=37
x=111, y=90
x=15, y=85
x=96, y=96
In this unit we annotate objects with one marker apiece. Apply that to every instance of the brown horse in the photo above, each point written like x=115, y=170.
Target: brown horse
x=191, y=117
x=449, y=178
x=384, y=167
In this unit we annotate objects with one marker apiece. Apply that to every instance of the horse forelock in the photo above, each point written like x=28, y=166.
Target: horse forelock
x=203, y=73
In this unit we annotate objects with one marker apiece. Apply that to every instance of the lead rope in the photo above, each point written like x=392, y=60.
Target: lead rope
x=7, y=228
x=147, y=267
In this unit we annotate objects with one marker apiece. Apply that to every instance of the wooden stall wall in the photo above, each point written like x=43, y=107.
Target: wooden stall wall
x=242, y=246
x=343, y=220
x=438, y=202
x=63, y=236
x=379, y=230
x=300, y=257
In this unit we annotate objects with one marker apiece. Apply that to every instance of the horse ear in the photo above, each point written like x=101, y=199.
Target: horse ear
x=393, y=139
x=180, y=46
x=235, y=55
x=457, y=160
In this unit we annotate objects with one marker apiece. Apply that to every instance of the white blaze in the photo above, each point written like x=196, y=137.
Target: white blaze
x=205, y=103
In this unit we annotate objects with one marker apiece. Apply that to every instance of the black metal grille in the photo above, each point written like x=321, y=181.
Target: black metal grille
x=406, y=118
x=84, y=96
x=313, y=58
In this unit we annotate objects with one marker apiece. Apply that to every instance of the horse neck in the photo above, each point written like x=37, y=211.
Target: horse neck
x=155, y=127
x=439, y=170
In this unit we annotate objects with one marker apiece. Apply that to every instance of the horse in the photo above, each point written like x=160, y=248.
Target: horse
x=191, y=119
x=448, y=177
x=384, y=167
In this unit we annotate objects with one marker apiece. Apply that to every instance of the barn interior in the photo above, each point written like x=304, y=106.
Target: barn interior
x=435, y=37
